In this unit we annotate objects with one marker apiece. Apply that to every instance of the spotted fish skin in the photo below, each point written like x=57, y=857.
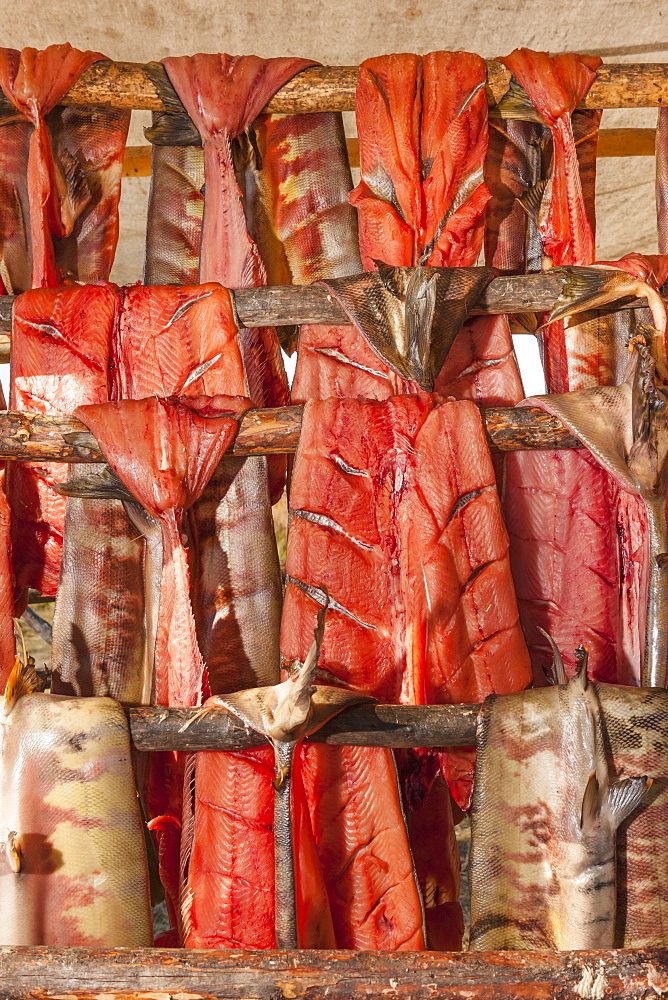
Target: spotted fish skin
x=68, y=804
x=543, y=868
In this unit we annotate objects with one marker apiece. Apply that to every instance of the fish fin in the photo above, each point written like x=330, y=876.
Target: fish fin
x=515, y=105
x=581, y=660
x=13, y=851
x=172, y=127
x=78, y=192
x=589, y=288
x=625, y=796
x=532, y=200
x=558, y=668
x=22, y=680
x=104, y=485
x=591, y=802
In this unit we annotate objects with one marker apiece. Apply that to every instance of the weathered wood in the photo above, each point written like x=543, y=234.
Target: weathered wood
x=611, y=142
x=34, y=437
x=360, y=726
x=289, y=305
x=73, y=973
x=332, y=88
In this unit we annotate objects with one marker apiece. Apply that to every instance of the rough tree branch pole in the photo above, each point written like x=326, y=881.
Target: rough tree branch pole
x=159, y=974
x=34, y=437
x=332, y=88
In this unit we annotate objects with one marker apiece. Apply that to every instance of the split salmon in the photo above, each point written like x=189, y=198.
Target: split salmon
x=65, y=174
x=626, y=432
x=74, y=866
x=58, y=224
x=223, y=95
x=567, y=586
x=543, y=867
x=59, y=360
x=304, y=224
x=422, y=197
x=361, y=499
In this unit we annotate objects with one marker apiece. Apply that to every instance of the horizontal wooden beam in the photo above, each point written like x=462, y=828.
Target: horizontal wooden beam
x=133, y=974
x=332, y=88
x=360, y=726
x=611, y=142
x=289, y=305
x=38, y=438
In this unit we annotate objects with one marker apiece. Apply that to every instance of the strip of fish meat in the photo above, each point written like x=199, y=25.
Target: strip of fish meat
x=58, y=222
x=223, y=94
x=63, y=172
x=304, y=225
x=74, y=866
x=626, y=431
x=364, y=517
x=422, y=195
x=60, y=350
x=543, y=866
x=164, y=451
x=572, y=538
x=7, y=641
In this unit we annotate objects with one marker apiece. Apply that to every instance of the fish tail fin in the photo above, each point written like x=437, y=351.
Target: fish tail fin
x=581, y=660
x=532, y=200
x=558, y=668
x=590, y=288
x=625, y=796
x=103, y=485
x=22, y=680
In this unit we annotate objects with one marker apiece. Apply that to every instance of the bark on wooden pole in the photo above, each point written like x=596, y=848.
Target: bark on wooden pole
x=34, y=437
x=332, y=88
x=360, y=726
x=289, y=305
x=72, y=973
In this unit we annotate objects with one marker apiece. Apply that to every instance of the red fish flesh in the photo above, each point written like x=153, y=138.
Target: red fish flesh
x=223, y=95
x=363, y=516
x=554, y=501
x=422, y=195
x=64, y=166
x=60, y=350
x=165, y=452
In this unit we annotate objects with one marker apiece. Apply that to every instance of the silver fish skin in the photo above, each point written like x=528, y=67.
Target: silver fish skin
x=584, y=854
x=543, y=871
x=73, y=864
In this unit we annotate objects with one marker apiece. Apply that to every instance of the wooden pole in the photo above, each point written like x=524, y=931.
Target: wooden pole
x=38, y=438
x=365, y=725
x=332, y=88
x=40, y=973
x=288, y=305
x=611, y=142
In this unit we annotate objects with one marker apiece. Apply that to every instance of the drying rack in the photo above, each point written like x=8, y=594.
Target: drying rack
x=183, y=974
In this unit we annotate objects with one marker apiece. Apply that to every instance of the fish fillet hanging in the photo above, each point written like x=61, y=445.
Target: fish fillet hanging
x=59, y=198
x=422, y=195
x=573, y=536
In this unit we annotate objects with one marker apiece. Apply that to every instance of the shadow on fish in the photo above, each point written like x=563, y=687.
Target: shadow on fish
x=541, y=760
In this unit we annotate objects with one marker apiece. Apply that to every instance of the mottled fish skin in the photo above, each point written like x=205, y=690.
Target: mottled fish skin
x=66, y=172
x=544, y=822
x=67, y=796
x=99, y=637
x=635, y=722
x=175, y=212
